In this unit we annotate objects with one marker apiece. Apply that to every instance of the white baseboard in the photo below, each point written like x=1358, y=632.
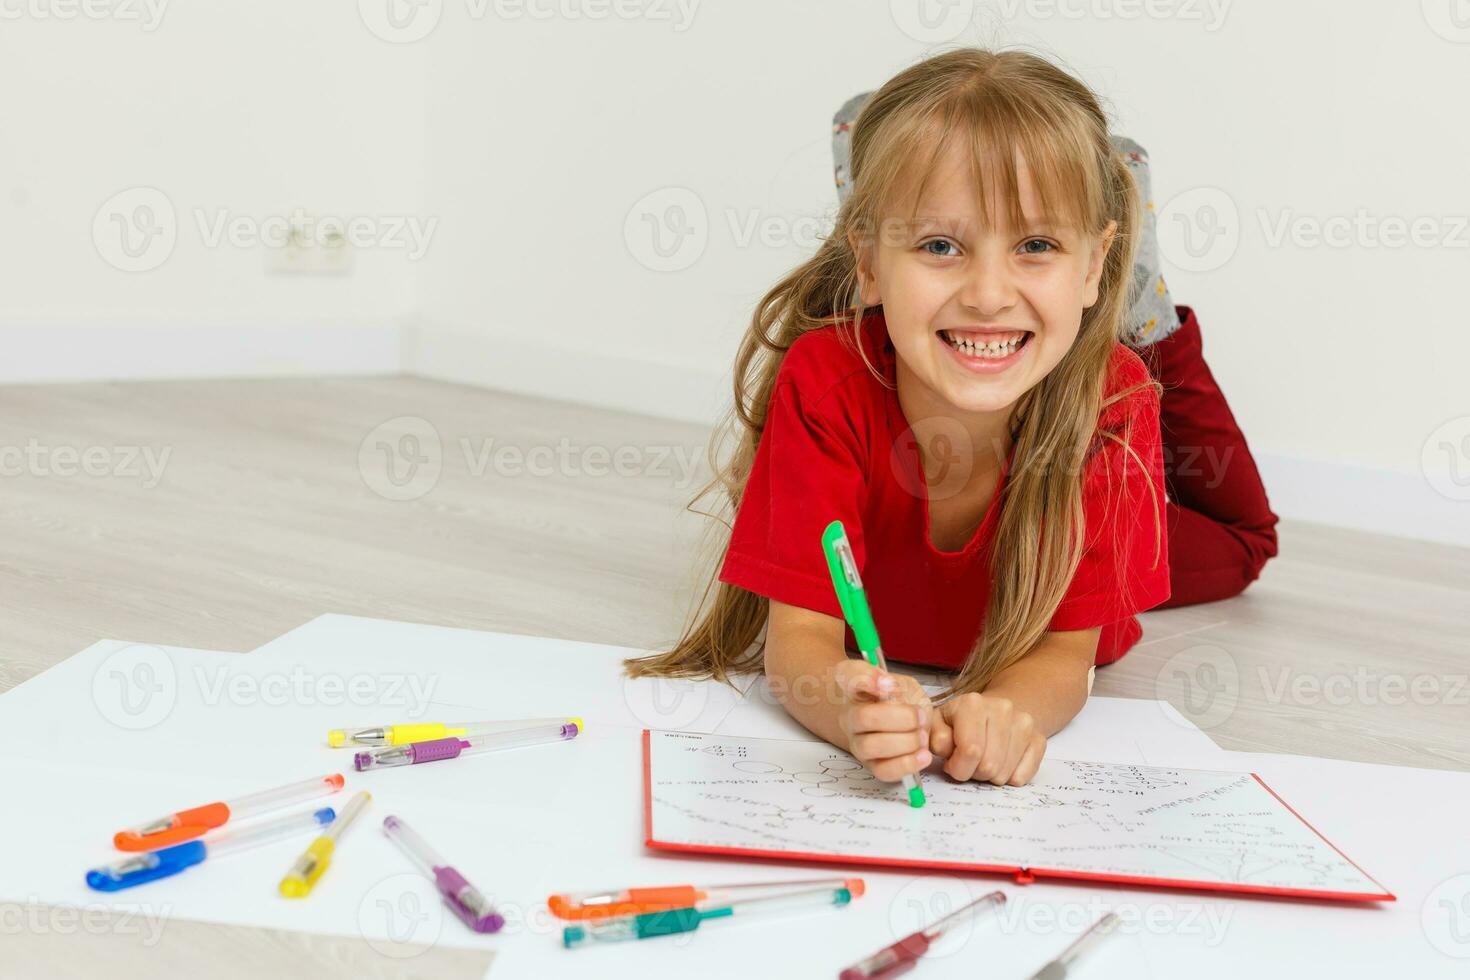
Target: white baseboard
x=1381, y=501
x=1362, y=498
x=46, y=352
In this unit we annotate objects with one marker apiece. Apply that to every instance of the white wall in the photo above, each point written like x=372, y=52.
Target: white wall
x=1339, y=362
x=235, y=110
x=533, y=142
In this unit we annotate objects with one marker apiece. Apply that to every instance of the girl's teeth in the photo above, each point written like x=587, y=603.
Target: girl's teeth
x=990, y=350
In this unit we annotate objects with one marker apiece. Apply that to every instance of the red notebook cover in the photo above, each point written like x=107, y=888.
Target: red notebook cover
x=1368, y=890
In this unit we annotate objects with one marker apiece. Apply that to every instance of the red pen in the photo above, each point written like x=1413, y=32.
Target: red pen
x=903, y=956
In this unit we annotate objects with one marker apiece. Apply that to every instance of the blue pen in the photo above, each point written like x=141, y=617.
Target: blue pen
x=152, y=865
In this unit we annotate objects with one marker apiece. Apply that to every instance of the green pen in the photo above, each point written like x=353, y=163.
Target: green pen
x=854, y=602
x=671, y=922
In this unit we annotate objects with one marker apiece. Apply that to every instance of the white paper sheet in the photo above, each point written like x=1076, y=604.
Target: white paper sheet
x=1166, y=934
x=1129, y=822
x=207, y=716
x=87, y=767
x=118, y=702
x=371, y=890
x=487, y=675
x=524, y=824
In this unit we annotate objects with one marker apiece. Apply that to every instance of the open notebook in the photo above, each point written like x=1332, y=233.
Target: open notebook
x=1177, y=828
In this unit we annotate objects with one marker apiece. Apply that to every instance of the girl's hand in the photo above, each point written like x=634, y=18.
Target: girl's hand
x=988, y=738
x=885, y=718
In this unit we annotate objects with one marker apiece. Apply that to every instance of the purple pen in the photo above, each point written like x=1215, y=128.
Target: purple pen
x=451, y=748
x=466, y=900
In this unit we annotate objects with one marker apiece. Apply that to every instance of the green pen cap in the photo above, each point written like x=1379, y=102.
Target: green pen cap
x=667, y=922
x=848, y=585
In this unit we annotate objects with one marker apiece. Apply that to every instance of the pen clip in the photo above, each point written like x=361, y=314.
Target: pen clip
x=842, y=566
x=167, y=831
x=146, y=867
x=848, y=585
x=849, y=564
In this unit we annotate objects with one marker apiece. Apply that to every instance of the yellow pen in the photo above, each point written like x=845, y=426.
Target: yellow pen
x=404, y=734
x=318, y=854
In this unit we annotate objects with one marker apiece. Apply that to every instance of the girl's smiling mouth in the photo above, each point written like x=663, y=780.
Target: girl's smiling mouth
x=986, y=351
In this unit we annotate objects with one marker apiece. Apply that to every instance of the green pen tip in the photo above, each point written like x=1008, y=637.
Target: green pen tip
x=916, y=796
x=572, y=935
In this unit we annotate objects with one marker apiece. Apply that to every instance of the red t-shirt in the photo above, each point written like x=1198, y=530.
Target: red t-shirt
x=836, y=446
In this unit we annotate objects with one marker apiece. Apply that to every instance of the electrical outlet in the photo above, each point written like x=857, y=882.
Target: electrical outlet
x=312, y=247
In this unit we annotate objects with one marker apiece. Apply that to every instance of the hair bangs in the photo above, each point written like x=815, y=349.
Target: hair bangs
x=1003, y=136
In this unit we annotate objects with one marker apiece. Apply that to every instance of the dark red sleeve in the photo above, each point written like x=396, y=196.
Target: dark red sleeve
x=808, y=472
x=1125, y=564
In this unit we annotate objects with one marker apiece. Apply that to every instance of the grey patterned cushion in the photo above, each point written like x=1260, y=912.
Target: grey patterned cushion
x=1151, y=316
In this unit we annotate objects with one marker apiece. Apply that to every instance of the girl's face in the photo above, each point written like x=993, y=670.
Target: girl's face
x=980, y=314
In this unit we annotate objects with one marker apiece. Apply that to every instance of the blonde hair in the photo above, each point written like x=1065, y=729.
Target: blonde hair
x=1006, y=104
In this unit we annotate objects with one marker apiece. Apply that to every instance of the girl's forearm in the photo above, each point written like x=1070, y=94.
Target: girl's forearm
x=799, y=672
x=1050, y=682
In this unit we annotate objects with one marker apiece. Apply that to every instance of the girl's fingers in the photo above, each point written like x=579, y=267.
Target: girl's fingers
x=1030, y=762
x=885, y=716
x=886, y=745
x=860, y=681
x=969, y=733
x=1021, y=734
x=941, y=736
x=997, y=761
x=892, y=770
x=909, y=690
x=1002, y=774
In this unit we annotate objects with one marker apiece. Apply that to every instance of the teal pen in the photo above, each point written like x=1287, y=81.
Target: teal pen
x=854, y=602
x=670, y=922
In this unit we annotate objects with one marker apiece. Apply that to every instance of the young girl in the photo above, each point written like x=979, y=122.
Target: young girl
x=946, y=377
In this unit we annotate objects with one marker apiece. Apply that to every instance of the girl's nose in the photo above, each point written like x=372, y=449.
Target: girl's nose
x=988, y=289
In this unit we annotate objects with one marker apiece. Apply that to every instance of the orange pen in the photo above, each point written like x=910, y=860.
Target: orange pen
x=189, y=824
x=637, y=901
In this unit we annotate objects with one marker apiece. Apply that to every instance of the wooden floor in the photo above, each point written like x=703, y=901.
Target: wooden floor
x=267, y=514
x=273, y=507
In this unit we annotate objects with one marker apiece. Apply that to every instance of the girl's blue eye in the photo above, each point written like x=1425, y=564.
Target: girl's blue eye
x=938, y=241
x=1037, y=241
